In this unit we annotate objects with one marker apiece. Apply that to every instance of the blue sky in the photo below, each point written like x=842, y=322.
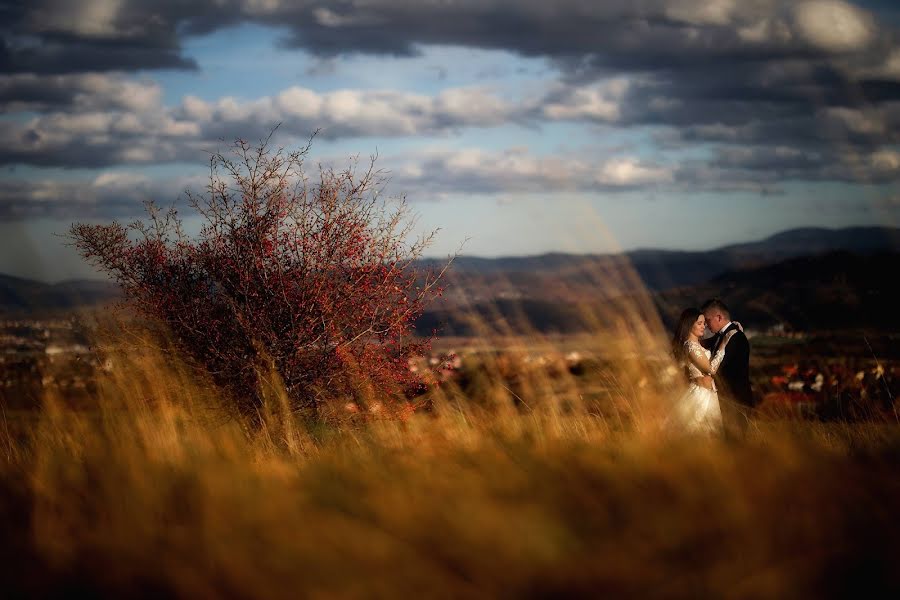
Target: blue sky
x=519, y=128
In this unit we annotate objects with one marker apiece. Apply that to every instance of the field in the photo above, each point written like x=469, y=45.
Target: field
x=529, y=474
x=401, y=300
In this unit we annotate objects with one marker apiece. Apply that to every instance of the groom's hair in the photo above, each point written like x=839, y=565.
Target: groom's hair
x=717, y=305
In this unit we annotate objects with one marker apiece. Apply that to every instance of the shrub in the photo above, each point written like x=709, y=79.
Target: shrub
x=316, y=280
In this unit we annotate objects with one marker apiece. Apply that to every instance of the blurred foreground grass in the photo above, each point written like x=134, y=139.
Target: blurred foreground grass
x=157, y=493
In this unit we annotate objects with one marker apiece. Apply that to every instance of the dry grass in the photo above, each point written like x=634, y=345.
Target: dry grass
x=524, y=480
x=158, y=493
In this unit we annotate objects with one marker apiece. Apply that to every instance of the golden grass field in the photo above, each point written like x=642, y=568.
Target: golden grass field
x=528, y=486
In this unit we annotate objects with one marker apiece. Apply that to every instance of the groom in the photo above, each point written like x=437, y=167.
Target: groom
x=733, y=376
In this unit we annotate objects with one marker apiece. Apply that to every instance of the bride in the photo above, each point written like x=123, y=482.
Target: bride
x=698, y=409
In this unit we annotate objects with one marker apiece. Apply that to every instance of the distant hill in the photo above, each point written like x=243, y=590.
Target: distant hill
x=838, y=290
x=835, y=291
x=809, y=241
x=573, y=278
x=19, y=295
x=552, y=280
x=793, y=242
x=503, y=317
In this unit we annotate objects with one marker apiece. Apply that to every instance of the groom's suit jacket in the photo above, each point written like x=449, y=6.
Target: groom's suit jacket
x=733, y=376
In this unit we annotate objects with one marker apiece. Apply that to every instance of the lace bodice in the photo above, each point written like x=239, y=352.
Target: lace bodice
x=693, y=348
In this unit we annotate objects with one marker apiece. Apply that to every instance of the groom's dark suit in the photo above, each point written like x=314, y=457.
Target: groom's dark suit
x=733, y=378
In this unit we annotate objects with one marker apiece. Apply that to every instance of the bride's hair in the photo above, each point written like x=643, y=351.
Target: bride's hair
x=685, y=323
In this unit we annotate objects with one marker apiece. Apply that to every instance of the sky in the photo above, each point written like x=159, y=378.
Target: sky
x=514, y=126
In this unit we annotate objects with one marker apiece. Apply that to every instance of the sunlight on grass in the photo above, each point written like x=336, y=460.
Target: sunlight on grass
x=533, y=465
x=516, y=482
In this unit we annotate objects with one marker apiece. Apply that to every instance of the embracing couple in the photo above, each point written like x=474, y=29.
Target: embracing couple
x=718, y=369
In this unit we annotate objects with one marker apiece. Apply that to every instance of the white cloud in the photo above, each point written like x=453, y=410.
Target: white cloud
x=88, y=18
x=296, y=102
x=888, y=68
x=119, y=179
x=329, y=18
x=886, y=161
x=702, y=12
x=622, y=172
x=518, y=170
x=474, y=105
x=867, y=122
x=110, y=194
x=358, y=112
x=879, y=166
x=77, y=93
x=430, y=175
x=768, y=30
x=598, y=102
x=833, y=25
x=126, y=121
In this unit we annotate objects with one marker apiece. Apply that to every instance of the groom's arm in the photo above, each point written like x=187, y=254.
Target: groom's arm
x=738, y=350
x=737, y=355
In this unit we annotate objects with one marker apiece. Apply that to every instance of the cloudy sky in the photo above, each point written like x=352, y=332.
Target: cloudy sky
x=524, y=126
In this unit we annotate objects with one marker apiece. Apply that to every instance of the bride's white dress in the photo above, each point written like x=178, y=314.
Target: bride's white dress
x=698, y=409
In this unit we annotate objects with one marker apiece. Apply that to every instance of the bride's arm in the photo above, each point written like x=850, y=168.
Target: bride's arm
x=695, y=355
x=716, y=361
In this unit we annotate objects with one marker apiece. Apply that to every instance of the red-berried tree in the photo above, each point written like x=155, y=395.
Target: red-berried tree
x=318, y=279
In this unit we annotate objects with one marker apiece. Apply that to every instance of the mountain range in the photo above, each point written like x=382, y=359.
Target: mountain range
x=18, y=295
x=765, y=278
x=664, y=269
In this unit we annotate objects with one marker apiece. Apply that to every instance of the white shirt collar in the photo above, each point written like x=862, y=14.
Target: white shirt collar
x=726, y=326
